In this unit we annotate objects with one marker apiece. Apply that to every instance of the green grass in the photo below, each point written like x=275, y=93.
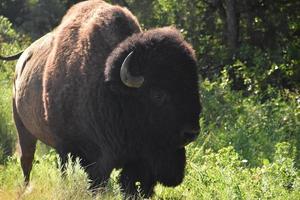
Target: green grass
x=209, y=175
x=7, y=129
x=47, y=182
x=224, y=175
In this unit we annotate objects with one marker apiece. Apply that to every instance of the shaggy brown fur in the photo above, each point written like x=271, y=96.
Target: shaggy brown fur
x=68, y=94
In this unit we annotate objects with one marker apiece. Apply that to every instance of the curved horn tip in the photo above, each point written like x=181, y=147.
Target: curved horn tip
x=128, y=79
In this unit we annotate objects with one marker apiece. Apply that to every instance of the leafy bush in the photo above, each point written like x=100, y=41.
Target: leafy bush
x=10, y=42
x=7, y=129
x=253, y=127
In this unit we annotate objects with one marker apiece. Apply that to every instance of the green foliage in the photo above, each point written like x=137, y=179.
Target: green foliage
x=11, y=42
x=224, y=175
x=264, y=69
x=252, y=127
x=7, y=128
x=12, y=9
x=42, y=16
x=267, y=37
x=48, y=183
x=267, y=40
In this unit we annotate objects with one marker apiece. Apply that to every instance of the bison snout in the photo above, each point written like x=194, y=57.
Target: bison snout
x=190, y=135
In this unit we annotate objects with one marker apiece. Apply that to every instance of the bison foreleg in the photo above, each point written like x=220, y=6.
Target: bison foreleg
x=63, y=159
x=98, y=172
x=133, y=173
x=127, y=181
x=147, y=186
x=97, y=166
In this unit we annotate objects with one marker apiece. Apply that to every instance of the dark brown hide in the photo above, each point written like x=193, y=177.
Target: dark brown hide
x=68, y=93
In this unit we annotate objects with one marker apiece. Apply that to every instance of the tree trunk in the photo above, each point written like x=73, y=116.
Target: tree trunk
x=232, y=25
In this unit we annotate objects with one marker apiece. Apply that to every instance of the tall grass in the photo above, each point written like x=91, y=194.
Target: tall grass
x=47, y=182
x=7, y=129
x=209, y=175
x=224, y=175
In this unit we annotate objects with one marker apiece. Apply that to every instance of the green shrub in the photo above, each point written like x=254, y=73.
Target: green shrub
x=252, y=126
x=7, y=129
x=10, y=42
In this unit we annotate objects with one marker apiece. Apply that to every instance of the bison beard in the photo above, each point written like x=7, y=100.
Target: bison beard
x=99, y=88
x=161, y=168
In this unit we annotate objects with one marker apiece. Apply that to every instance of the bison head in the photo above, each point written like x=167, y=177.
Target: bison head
x=154, y=76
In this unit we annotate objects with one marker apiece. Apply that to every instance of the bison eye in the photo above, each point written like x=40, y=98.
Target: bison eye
x=158, y=96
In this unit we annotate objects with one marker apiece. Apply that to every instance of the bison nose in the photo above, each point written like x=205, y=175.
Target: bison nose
x=190, y=135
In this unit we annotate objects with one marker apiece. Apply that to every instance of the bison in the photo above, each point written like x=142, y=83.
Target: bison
x=101, y=89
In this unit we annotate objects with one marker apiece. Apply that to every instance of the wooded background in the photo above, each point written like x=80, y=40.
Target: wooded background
x=257, y=40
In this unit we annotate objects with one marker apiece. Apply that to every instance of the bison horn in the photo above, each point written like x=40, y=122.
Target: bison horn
x=128, y=79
